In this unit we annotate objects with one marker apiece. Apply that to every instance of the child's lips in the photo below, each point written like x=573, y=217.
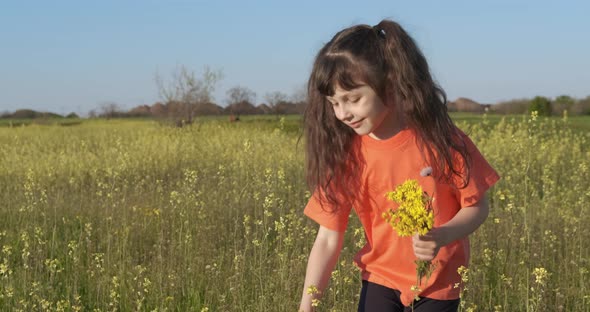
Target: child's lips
x=356, y=124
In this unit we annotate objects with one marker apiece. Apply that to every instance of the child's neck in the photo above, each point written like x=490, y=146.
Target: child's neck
x=390, y=126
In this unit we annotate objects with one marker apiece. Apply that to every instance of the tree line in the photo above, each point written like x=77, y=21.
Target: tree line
x=543, y=105
x=184, y=96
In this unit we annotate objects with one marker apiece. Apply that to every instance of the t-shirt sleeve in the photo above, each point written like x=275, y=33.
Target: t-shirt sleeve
x=326, y=214
x=482, y=176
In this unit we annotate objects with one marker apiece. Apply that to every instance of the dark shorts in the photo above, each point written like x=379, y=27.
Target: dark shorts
x=377, y=298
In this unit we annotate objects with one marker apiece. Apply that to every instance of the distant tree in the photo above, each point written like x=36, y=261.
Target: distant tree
x=542, y=105
x=187, y=92
x=49, y=115
x=241, y=108
x=92, y=114
x=299, y=99
x=287, y=108
x=179, y=111
x=110, y=110
x=72, y=115
x=299, y=94
x=263, y=109
x=240, y=94
x=159, y=110
x=29, y=114
x=562, y=103
x=139, y=111
x=208, y=109
x=465, y=105
x=516, y=106
x=25, y=114
x=582, y=107
x=274, y=99
x=5, y=114
x=239, y=100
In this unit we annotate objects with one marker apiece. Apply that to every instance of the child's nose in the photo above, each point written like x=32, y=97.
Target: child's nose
x=342, y=113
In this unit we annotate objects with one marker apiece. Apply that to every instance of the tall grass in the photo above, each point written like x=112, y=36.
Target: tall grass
x=134, y=216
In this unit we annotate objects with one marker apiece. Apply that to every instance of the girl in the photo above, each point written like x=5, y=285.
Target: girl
x=374, y=119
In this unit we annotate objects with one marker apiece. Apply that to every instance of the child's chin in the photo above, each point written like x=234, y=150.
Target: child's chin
x=362, y=131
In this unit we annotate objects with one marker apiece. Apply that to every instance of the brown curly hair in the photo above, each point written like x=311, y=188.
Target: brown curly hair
x=388, y=60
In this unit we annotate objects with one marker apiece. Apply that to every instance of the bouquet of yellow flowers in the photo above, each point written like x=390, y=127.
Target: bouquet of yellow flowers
x=414, y=215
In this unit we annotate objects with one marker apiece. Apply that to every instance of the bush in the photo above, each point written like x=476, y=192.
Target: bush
x=542, y=105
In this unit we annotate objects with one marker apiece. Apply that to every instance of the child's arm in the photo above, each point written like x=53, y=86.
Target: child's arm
x=322, y=258
x=465, y=222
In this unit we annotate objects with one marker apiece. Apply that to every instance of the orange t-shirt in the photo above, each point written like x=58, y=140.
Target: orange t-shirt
x=388, y=259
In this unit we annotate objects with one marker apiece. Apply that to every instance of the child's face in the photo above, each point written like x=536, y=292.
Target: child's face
x=364, y=111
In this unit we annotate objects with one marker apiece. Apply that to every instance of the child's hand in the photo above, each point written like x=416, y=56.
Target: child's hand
x=426, y=246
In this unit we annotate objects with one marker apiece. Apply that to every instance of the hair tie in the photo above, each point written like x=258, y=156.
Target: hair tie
x=379, y=31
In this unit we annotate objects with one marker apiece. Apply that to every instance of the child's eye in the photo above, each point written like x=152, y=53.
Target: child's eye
x=354, y=100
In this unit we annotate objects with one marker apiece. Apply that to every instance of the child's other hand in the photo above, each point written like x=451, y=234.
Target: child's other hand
x=426, y=246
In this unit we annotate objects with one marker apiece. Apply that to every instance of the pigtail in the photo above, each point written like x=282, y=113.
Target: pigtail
x=423, y=102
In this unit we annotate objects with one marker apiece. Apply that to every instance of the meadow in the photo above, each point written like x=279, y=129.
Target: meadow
x=120, y=215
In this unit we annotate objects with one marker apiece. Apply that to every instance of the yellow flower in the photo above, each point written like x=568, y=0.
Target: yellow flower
x=312, y=290
x=414, y=214
x=541, y=275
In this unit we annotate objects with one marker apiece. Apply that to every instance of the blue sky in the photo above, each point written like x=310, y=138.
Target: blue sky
x=64, y=56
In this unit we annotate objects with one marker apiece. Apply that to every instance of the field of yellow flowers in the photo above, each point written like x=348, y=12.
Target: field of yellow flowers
x=137, y=216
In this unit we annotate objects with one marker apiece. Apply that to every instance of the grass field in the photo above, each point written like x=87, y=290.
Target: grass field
x=134, y=215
